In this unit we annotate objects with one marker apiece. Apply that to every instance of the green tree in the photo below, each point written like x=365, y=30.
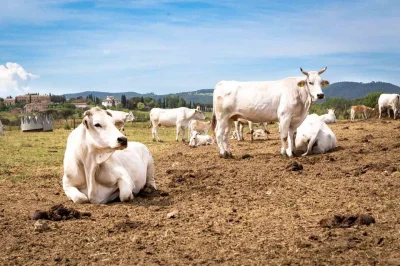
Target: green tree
x=123, y=100
x=140, y=106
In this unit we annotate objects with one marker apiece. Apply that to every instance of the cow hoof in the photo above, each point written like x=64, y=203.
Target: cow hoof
x=227, y=155
x=125, y=198
x=81, y=199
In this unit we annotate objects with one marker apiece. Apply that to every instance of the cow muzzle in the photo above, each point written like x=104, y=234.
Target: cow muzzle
x=123, y=141
x=320, y=96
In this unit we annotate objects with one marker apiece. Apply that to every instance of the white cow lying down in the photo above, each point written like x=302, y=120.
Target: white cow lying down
x=314, y=136
x=197, y=139
x=330, y=117
x=100, y=164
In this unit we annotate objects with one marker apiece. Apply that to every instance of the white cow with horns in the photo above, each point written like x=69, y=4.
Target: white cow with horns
x=100, y=164
x=178, y=117
x=121, y=118
x=287, y=100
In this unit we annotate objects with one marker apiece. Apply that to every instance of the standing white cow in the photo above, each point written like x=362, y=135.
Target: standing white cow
x=390, y=101
x=287, y=100
x=1, y=129
x=178, y=117
x=330, y=117
x=197, y=139
x=121, y=118
x=314, y=136
x=100, y=164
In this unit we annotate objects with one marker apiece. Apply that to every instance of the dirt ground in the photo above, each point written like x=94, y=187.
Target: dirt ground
x=239, y=211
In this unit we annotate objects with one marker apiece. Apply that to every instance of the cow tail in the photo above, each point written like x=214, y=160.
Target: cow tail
x=213, y=124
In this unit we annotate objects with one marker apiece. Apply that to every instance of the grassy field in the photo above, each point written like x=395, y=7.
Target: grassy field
x=236, y=212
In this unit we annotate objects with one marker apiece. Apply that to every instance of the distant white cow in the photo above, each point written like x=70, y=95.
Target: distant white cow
x=287, y=100
x=121, y=118
x=199, y=126
x=100, y=164
x=1, y=129
x=314, y=136
x=198, y=140
x=390, y=101
x=178, y=117
x=330, y=117
x=259, y=133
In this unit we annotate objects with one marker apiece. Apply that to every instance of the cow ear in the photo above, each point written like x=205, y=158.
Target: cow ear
x=324, y=83
x=87, y=113
x=301, y=83
x=85, y=122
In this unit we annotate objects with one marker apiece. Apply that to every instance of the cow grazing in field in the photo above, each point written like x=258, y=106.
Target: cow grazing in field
x=314, y=136
x=390, y=101
x=365, y=111
x=197, y=140
x=100, y=164
x=239, y=126
x=330, y=117
x=121, y=118
x=178, y=117
x=287, y=100
x=199, y=126
x=1, y=129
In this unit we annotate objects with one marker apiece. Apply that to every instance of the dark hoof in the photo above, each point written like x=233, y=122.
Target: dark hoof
x=227, y=155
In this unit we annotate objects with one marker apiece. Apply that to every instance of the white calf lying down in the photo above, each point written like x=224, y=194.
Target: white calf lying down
x=260, y=133
x=197, y=140
x=314, y=136
x=100, y=164
x=330, y=117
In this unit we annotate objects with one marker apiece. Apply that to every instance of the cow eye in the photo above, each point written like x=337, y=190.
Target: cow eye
x=311, y=83
x=97, y=125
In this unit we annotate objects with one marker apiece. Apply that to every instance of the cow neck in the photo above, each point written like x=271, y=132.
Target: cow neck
x=305, y=97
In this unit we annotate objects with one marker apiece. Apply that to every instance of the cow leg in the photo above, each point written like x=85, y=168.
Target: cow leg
x=291, y=148
x=73, y=193
x=178, y=130
x=183, y=133
x=125, y=189
x=266, y=129
x=251, y=131
x=394, y=113
x=241, y=130
x=155, y=133
x=222, y=133
x=310, y=146
x=380, y=111
x=388, y=111
x=283, y=131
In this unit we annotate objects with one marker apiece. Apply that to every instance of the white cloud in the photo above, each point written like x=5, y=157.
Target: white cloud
x=14, y=78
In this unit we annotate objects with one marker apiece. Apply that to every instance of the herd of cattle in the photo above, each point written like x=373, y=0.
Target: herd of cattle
x=101, y=165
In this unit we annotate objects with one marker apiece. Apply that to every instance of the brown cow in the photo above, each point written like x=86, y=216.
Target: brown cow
x=365, y=111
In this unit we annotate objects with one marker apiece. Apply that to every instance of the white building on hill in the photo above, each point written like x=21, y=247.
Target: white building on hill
x=108, y=102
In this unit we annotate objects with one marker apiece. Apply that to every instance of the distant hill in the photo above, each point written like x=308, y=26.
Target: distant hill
x=352, y=90
x=199, y=96
x=345, y=89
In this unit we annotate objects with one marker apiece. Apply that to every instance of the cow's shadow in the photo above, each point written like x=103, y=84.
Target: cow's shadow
x=146, y=198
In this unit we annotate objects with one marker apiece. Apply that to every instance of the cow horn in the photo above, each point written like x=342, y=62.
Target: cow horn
x=304, y=72
x=322, y=71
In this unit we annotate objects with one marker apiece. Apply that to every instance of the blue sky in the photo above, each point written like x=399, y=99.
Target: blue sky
x=163, y=46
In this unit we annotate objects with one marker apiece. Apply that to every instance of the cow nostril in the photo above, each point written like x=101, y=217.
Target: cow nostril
x=320, y=96
x=122, y=140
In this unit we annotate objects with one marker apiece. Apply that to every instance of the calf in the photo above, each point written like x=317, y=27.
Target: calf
x=101, y=165
x=239, y=126
x=314, y=136
x=197, y=140
x=330, y=117
x=199, y=126
x=365, y=111
x=391, y=101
